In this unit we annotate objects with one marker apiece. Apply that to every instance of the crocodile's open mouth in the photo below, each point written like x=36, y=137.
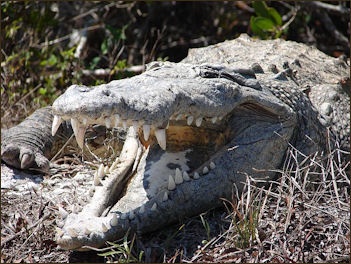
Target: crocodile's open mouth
x=153, y=162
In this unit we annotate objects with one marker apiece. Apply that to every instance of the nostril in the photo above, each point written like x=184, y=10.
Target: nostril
x=106, y=92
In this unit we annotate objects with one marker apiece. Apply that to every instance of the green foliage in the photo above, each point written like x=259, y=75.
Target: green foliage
x=245, y=218
x=37, y=61
x=33, y=69
x=124, y=251
x=267, y=24
x=246, y=228
x=207, y=229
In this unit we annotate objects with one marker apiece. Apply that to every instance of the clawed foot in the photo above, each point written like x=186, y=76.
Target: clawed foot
x=24, y=157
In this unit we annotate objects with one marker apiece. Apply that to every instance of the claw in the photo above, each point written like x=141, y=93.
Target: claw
x=26, y=160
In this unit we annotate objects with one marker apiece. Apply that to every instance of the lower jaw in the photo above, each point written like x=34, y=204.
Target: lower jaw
x=147, y=180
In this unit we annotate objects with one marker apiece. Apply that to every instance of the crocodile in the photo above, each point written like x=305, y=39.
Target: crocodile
x=192, y=131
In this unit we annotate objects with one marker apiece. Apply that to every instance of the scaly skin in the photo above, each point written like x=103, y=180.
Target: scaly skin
x=215, y=124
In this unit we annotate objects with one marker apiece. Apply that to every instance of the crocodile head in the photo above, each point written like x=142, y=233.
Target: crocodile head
x=194, y=134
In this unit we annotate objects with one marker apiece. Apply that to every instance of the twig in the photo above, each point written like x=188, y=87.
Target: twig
x=58, y=40
x=22, y=98
x=335, y=9
x=292, y=18
x=22, y=231
x=58, y=152
x=107, y=72
x=330, y=27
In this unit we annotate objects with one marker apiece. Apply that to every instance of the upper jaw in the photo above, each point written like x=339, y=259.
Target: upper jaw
x=157, y=97
x=152, y=98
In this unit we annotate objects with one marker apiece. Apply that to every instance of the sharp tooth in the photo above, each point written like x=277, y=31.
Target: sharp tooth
x=117, y=119
x=214, y=119
x=106, y=170
x=154, y=207
x=131, y=215
x=179, y=117
x=114, y=220
x=87, y=231
x=75, y=208
x=81, y=202
x=59, y=223
x=63, y=212
x=186, y=176
x=171, y=183
x=146, y=131
x=198, y=121
x=97, y=181
x=114, y=164
x=72, y=232
x=104, y=228
x=59, y=232
x=124, y=123
x=136, y=125
x=178, y=177
x=101, y=171
x=212, y=165
x=165, y=196
x=55, y=124
x=189, y=120
x=196, y=175
x=84, y=121
x=205, y=170
x=161, y=137
x=108, y=122
x=142, y=209
x=79, y=131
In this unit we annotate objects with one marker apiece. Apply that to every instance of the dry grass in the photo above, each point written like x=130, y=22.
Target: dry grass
x=303, y=217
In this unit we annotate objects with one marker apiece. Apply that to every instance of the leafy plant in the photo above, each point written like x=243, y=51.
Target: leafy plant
x=207, y=228
x=123, y=252
x=267, y=24
x=246, y=228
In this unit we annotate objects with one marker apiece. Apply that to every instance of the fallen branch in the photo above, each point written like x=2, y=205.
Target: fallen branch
x=107, y=72
x=330, y=27
x=334, y=9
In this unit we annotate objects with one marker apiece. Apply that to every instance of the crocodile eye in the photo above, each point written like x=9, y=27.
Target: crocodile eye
x=83, y=89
